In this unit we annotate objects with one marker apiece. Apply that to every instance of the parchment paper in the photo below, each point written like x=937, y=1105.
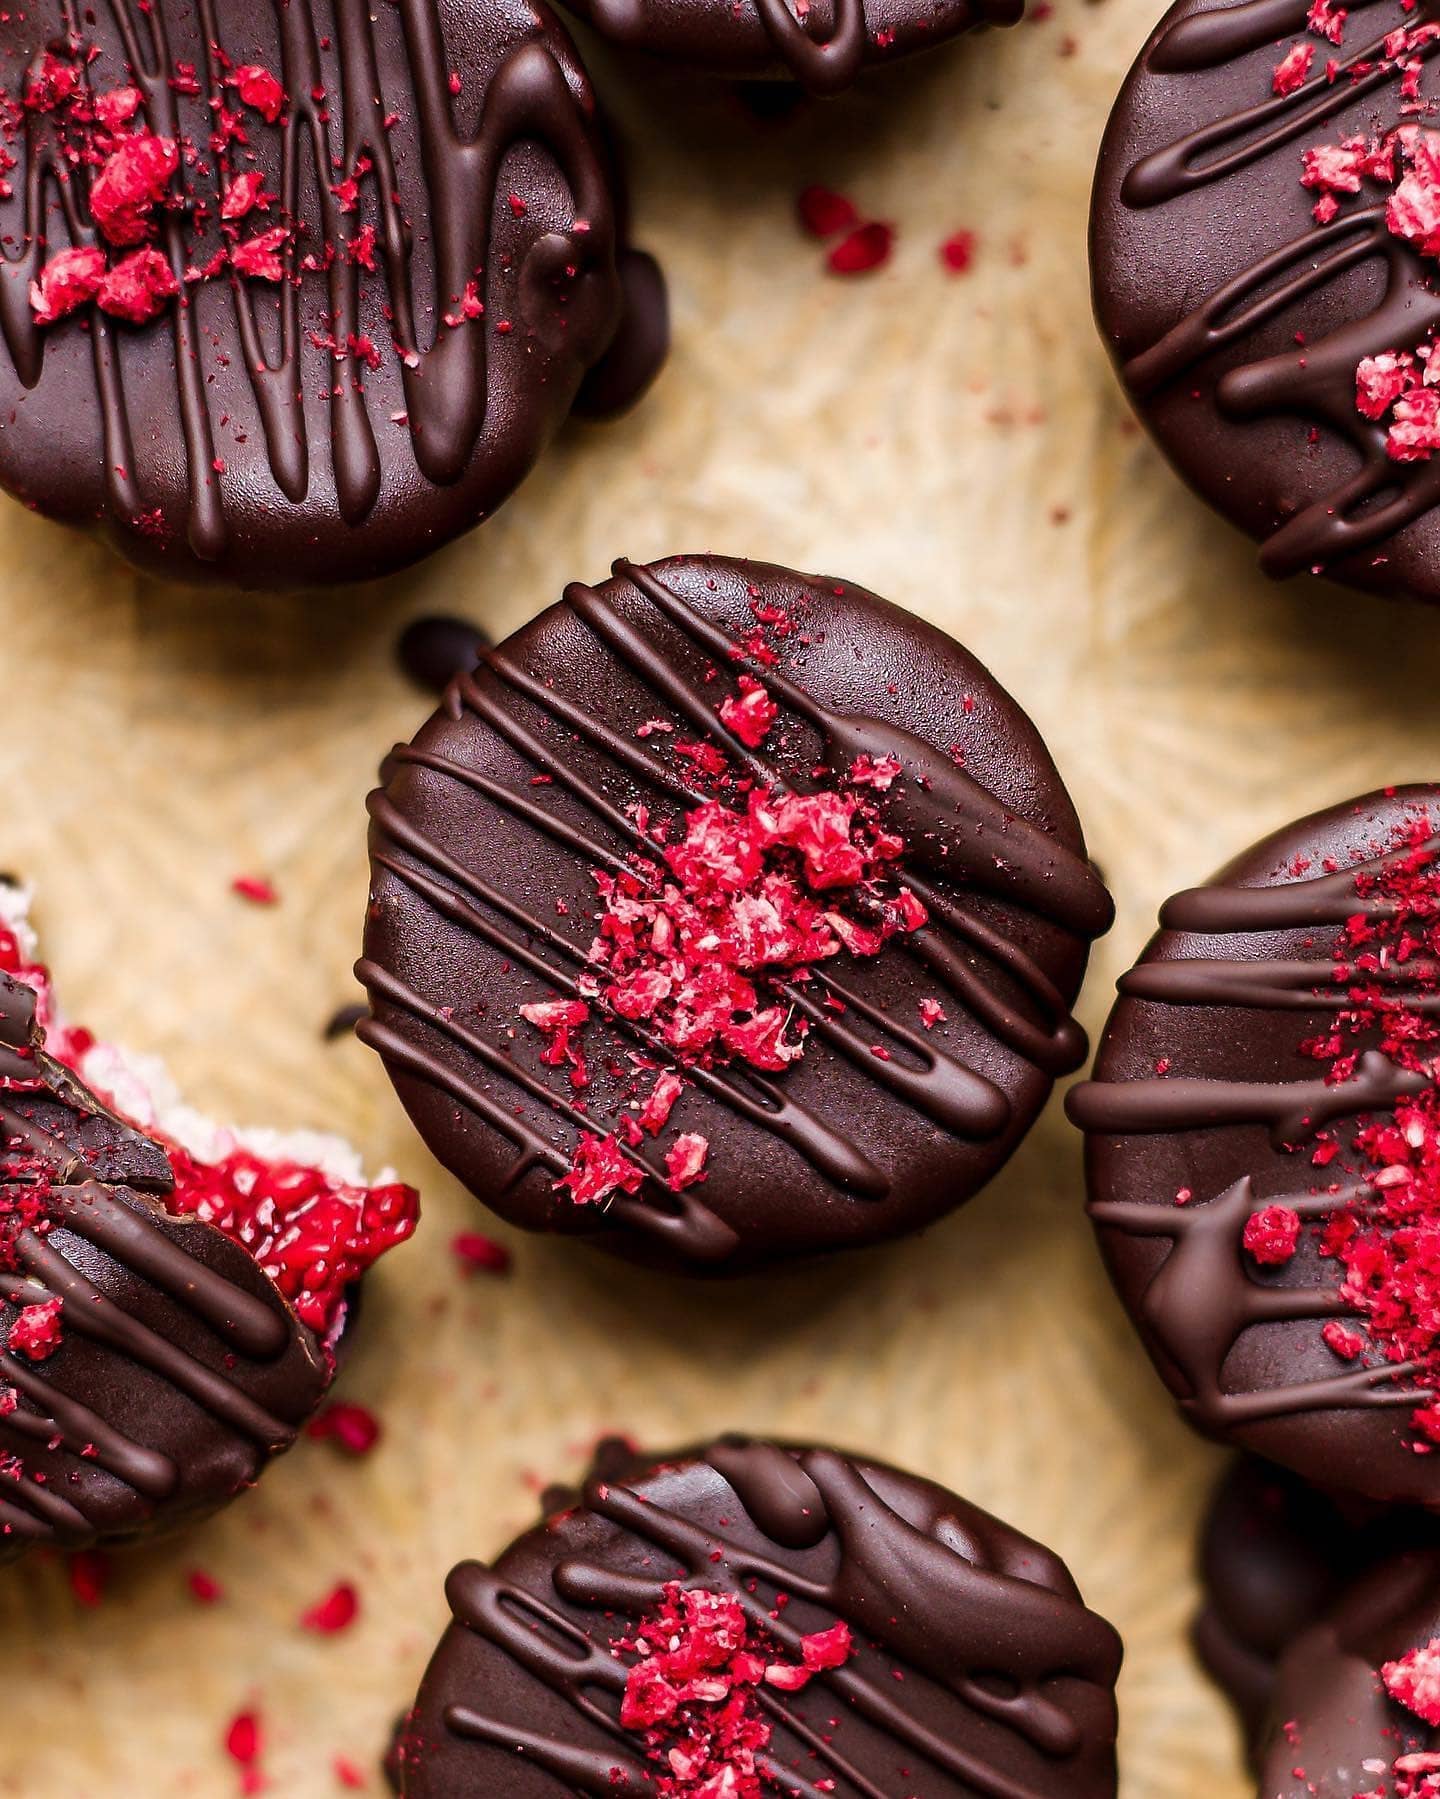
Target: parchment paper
x=957, y=444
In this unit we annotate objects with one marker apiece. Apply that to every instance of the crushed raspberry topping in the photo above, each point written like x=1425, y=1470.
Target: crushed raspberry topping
x=1414, y=1681
x=1386, y=1244
x=1272, y=1235
x=313, y=1234
x=709, y=936
x=698, y=1668
x=1396, y=386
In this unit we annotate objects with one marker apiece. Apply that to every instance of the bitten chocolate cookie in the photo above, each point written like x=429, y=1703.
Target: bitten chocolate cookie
x=823, y=47
x=1275, y=1553
x=297, y=293
x=750, y=1619
x=1265, y=236
x=1357, y=1700
x=724, y=915
x=171, y=1293
x=1264, y=1148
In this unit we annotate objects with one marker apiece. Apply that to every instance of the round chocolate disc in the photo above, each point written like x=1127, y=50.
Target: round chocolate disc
x=236, y=368
x=1263, y=1147
x=766, y=1618
x=725, y=915
x=1356, y=1714
x=823, y=47
x=1264, y=247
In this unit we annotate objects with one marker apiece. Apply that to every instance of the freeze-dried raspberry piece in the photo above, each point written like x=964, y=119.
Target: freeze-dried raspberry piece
x=70, y=279
x=134, y=178
x=1414, y=1681
x=138, y=287
x=258, y=88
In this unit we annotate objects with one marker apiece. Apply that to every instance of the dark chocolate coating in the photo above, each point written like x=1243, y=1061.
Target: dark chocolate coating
x=825, y=51
x=1331, y=1715
x=1235, y=320
x=1007, y=1681
x=1221, y=1000
x=329, y=470
x=482, y=900
x=1275, y=1553
x=181, y=1371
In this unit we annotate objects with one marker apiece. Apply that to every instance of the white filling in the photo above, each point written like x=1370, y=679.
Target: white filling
x=143, y=1091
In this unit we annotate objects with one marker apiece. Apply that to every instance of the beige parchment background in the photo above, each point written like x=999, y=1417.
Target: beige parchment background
x=957, y=444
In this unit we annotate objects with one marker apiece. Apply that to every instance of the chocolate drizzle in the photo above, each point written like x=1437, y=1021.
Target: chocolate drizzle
x=962, y=843
x=1006, y=1677
x=467, y=429
x=1345, y=291
x=1199, y=1301
x=166, y=1325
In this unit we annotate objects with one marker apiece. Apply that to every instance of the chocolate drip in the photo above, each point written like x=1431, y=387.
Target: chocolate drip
x=1202, y=1301
x=1007, y=1648
x=567, y=293
x=1294, y=1110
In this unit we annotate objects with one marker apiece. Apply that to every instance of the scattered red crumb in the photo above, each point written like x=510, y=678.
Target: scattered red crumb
x=693, y=1692
x=37, y=1333
x=751, y=715
x=477, y=1254
x=137, y=287
x=337, y=1611
x=655, y=1113
x=204, y=1589
x=866, y=248
x=931, y=1013
x=349, y=1775
x=1293, y=69
x=244, y=1744
x=824, y=213
x=354, y=1428
x=599, y=1168
x=69, y=280
x=1386, y=1244
x=89, y=1573
x=1414, y=1681
x=685, y=1160
x=958, y=252
x=133, y=180
x=257, y=87
x=1272, y=1235
x=256, y=889
x=259, y=256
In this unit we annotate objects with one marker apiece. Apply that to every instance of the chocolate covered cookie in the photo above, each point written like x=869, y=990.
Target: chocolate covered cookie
x=1264, y=1148
x=297, y=293
x=1275, y=1554
x=724, y=915
x=823, y=47
x=1265, y=236
x=172, y=1293
x=751, y=1619
x=1357, y=1700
